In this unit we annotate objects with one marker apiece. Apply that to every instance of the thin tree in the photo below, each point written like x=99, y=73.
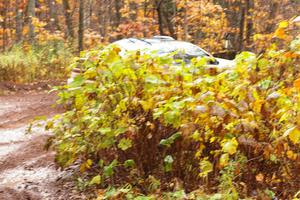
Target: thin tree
x=19, y=22
x=31, y=15
x=81, y=25
x=241, y=26
x=249, y=25
x=68, y=18
x=118, y=16
x=54, y=23
x=158, y=6
x=4, y=25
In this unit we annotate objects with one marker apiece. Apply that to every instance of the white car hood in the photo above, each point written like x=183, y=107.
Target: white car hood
x=223, y=65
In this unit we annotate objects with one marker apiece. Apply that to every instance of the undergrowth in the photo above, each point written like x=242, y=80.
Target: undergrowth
x=28, y=63
x=147, y=128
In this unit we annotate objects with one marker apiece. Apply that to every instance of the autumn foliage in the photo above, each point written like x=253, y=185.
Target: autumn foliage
x=34, y=24
x=203, y=22
x=154, y=128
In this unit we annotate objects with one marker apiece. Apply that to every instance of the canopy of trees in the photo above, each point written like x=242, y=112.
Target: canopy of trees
x=205, y=22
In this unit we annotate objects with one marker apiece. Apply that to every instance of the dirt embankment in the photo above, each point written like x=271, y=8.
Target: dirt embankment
x=27, y=170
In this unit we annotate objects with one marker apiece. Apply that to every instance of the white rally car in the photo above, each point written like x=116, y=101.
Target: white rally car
x=164, y=45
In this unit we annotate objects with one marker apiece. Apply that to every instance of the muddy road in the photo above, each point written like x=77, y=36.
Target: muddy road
x=27, y=170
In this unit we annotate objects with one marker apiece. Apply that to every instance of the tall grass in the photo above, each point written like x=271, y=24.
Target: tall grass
x=26, y=63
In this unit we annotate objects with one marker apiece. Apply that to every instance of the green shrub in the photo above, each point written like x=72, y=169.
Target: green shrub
x=187, y=127
x=24, y=64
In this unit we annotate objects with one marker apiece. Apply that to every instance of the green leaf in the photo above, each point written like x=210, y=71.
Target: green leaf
x=105, y=130
x=101, y=163
x=153, y=80
x=168, y=163
x=171, y=116
x=129, y=163
x=125, y=144
x=144, y=198
x=180, y=194
x=96, y=180
x=77, y=82
x=109, y=170
x=169, y=141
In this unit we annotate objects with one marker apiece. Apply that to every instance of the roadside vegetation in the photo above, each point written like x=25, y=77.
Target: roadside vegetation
x=146, y=129
x=26, y=63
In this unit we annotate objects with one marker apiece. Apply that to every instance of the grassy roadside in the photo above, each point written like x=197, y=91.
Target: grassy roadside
x=27, y=63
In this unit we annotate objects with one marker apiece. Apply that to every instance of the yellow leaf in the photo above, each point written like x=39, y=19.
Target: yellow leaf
x=283, y=24
x=96, y=180
x=147, y=105
x=89, y=163
x=280, y=33
x=86, y=165
x=206, y=167
x=257, y=105
x=230, y=146
x=291, y=155
x=82, y=168
x=212, y=139
x=224, y=160
x=294, y=134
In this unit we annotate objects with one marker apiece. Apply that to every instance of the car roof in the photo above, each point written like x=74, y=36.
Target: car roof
x=161, y=44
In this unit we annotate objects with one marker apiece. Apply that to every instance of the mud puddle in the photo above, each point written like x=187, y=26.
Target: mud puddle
x=27, y=170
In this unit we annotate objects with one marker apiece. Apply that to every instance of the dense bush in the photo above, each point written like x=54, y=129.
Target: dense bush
x=27, y=63
x=160, y=127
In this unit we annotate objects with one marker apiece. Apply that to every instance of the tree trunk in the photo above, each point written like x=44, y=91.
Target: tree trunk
x=31, y=15
x=88, y=13
x=118, y=6
x=145, y=8
x=185, y=25
x=4, y=26
x=169, y=24
x=160, y=17
x=241, y=27
x=19, y=23
x=68, y=18
x=101, y=20
x=54, y=24
x=274, y=7
x=169, y=11
x=249, y=26
x=81, y=25
x=103, y=17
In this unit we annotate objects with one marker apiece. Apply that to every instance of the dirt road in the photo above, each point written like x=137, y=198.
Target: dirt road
x=27, y=171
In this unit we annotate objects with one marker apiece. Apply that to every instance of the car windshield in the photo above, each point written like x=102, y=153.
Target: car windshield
x=181, y=47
